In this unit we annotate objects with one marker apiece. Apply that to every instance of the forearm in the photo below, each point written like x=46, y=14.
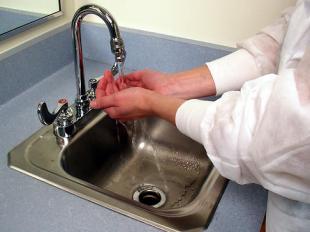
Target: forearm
x=195, y=83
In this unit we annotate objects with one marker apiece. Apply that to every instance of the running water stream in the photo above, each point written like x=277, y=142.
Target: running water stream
x=121, y=70
x=120, y=74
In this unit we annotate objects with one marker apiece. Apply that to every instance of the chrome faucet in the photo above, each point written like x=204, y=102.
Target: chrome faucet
x=64, y=118
x=117, y=48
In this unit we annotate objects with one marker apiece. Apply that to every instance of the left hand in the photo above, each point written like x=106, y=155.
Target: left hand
x=133, y=103
x=107, y=85
x=127, y=104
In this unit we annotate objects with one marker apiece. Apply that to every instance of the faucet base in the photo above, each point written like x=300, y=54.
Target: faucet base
x=82, y=105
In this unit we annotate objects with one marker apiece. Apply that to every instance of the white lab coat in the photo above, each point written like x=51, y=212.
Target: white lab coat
x=261, y=134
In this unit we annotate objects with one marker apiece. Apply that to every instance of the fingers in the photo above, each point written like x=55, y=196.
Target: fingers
x=133, y=83
x=103, y=102
x=107, y=78
x=101, y=87
x=100, y=93
x=118, y=114
x=115, y=87
x=121, y=84
x=110, y=89
x=124, y=105
x=135, y=76
x=112, y=112
x=109, y=86
x=103, y=82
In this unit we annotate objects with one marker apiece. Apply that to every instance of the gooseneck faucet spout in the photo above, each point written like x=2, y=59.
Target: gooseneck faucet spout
x=67, y=120
x=116, y=43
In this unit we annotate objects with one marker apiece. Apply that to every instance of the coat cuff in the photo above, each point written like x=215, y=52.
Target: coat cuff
x=228, y=75
x=189, y=117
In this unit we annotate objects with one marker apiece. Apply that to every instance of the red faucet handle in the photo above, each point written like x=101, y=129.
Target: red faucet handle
x=62, y=101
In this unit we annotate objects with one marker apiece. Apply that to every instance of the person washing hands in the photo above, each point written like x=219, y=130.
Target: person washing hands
x=258, y=131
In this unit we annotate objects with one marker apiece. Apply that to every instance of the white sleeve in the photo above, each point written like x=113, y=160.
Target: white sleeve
x=258, y=55
x=259, y=134
x=226, y=125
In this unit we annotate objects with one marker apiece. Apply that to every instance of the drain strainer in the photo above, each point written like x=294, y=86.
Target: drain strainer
x=149, y=195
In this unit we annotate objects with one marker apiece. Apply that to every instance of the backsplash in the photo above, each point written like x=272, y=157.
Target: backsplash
x=34, y=63
x=144, y=50
x=149, y=50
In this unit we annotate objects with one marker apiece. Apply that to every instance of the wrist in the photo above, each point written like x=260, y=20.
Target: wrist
x=163, y=106
x=166, y=84
x=194, y=83
x=150, y=102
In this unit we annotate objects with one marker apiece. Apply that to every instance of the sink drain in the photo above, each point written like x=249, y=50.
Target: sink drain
x=149, y=195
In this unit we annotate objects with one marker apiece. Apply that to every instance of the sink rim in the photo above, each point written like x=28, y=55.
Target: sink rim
x=167, y=219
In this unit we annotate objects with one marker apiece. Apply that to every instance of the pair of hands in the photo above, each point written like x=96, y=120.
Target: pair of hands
x=136, y=95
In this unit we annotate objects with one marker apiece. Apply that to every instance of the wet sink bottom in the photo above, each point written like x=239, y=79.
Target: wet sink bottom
x=140, y=152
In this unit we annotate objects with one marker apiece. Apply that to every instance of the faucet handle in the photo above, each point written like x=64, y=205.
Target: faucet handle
x=47, y=118
x=92, y=84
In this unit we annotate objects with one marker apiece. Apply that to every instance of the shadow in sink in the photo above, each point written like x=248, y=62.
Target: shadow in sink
x=145, y=169
x=122, y=158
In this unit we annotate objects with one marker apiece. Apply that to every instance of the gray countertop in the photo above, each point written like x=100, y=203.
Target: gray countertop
x=26, y=204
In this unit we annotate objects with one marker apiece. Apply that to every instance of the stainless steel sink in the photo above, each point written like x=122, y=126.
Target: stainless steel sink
x=144, y=169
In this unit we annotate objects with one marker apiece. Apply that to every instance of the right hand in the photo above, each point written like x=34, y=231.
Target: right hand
x=148, y=79
x=194, y=83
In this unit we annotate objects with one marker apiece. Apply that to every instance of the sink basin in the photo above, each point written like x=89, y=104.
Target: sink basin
x=144, y=169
